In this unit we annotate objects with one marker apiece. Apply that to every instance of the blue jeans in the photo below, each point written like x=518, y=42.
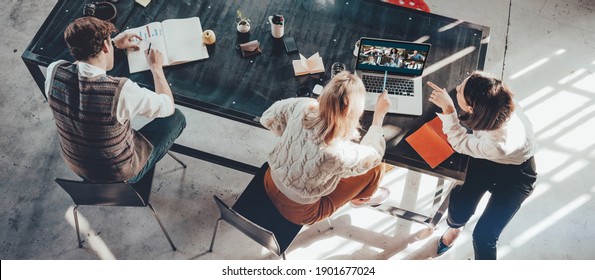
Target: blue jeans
x=161, y=132
x=509, y=184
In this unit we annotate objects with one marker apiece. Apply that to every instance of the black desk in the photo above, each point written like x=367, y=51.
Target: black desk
x=240, y=89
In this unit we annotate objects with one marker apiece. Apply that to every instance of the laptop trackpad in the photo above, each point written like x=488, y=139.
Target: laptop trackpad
x=372, y=98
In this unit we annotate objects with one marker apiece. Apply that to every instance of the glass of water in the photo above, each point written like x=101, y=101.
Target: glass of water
x=336, y=68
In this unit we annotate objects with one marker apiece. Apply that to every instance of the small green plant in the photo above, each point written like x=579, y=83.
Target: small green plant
x=242, y=20
x=277, y=19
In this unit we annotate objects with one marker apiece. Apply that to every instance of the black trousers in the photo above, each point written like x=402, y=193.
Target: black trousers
x=509, y=186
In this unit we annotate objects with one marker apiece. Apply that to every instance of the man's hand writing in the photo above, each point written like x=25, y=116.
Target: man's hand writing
x=126, y=40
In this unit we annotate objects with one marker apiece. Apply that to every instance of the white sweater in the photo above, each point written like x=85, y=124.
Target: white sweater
x=305, y=169
x=513, y=143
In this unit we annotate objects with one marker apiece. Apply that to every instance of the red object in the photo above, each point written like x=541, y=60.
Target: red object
x=431, y=143
x=412, y=4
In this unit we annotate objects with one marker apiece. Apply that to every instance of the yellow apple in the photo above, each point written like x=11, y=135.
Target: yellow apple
x=209, y=37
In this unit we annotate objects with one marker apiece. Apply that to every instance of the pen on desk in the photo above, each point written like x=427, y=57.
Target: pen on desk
x=384, y=83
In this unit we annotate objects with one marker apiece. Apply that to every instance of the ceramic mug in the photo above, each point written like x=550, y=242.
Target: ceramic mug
x=277, y=30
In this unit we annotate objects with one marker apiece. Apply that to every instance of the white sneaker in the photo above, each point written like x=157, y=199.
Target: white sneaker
x=380, y=196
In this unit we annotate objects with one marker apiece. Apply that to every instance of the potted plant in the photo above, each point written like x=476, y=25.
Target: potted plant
x=243, y=25
x=277, y=25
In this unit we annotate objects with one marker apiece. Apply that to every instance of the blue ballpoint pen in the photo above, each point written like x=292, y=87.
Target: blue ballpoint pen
x=384, y=83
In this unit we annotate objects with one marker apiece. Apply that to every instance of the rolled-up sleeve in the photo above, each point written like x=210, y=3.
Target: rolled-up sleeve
x=466, y=143
x=137, y=101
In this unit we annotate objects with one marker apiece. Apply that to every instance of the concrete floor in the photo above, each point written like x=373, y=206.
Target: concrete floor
x=542, y=48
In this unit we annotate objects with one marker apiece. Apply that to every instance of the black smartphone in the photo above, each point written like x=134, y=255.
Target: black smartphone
x=290, y=45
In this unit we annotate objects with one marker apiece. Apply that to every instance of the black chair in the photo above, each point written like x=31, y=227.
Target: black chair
x=255, y=215
x=112, y=194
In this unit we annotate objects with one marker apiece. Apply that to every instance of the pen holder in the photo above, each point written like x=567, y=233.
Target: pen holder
x=277, y=25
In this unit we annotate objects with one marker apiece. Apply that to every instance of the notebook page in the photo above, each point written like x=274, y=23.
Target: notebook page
x=183, y=38
x=151, y=33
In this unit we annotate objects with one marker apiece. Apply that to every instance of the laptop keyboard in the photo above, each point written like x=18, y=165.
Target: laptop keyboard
x=394, y=86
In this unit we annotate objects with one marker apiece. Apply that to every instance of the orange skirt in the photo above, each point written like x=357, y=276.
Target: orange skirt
x=361, y=186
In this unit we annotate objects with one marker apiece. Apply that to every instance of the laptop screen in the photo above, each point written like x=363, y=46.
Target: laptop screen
x=396, y=57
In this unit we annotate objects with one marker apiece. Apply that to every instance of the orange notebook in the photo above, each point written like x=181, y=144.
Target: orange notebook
x=431, y=143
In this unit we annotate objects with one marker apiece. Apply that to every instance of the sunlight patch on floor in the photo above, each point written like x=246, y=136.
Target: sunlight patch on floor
x=587, y=83
x=543, y=225
x=572, y=76
x=93, y=240
x=566, y=124
x=540, y=189
x=580, y=137
x=550, y=111
x=529, y=68
x=532, y=98
x=550, y=160
x=569, y=170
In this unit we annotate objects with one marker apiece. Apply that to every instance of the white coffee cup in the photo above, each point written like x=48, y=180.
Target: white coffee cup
x=277, y=30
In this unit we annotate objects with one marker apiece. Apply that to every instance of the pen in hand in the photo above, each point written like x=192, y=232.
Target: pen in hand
x=384, y=83
x=149, y=49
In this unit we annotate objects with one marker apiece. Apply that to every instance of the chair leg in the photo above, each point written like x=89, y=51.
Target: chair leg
x=330, y=226
x=214, y=234
x=177, y=159
x=162, y=227
x=283, y=256
x=76, y=225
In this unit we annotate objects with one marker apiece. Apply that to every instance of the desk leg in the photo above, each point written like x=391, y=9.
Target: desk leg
x=404, y=214
x=440, y=212
x=37, y=75
x=438, y=193
x=430, y=222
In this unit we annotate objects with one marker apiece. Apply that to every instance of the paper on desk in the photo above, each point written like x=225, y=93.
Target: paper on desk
x=143, y=3
x=310, y=65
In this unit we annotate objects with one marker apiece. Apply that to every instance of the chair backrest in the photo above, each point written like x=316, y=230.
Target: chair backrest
x=263, y=236
x=109, y=194
x=254, y=204
x=103, y=194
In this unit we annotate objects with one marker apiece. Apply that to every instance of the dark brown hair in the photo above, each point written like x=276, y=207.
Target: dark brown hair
x=490, y=99
x=85, y=35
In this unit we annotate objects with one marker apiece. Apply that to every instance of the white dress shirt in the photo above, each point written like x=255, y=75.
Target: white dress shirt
x=513, y=143
x=133, y=101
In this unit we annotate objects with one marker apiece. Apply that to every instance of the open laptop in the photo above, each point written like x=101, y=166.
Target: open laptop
x=401, y=64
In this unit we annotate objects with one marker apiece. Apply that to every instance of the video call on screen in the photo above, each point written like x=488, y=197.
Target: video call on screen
x=391, y=57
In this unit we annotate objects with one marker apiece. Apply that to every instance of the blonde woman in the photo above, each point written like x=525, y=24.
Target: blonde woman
x=316, y=167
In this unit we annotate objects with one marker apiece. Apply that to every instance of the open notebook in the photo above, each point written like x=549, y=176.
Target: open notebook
x=179, y=40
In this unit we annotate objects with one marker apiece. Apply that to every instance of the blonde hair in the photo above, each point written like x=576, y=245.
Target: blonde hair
x=340, y=107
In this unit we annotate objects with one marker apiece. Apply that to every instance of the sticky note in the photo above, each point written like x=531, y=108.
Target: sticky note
x=144, y=3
